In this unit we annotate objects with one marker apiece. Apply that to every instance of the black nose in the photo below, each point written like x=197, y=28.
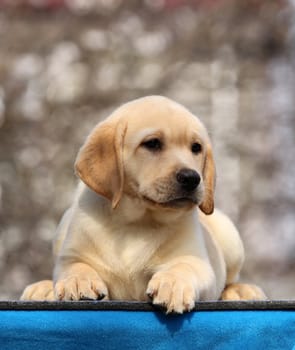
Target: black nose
x=188, y=179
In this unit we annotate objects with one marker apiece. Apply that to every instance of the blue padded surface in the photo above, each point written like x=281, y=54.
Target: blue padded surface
x=123, y=329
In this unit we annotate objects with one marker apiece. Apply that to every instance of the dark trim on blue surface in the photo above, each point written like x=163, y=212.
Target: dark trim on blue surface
x=144, y=306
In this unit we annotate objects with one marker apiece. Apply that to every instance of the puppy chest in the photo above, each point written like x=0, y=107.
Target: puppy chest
x=127, y=266
x=130, y=254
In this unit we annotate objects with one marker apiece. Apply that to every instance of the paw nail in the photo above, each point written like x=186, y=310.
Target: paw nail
x=100, y=296
x=150, y=294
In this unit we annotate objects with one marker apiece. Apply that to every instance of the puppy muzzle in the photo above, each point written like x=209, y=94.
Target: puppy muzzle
x=185, y=191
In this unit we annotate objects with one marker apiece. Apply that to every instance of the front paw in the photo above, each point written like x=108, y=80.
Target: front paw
x=80, y=288
x=243, y=291
x=172, y=291
x=39, y=291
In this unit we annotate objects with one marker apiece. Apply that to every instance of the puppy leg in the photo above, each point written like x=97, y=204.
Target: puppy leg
x=179, y=284
x=79, y=281
x=242, y=291
x=39, y=291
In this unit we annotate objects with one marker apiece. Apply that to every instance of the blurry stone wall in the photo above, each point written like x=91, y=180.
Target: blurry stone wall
x=66, y=66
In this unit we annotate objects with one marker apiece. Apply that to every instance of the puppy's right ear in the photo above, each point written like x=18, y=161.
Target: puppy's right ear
x=99, y=163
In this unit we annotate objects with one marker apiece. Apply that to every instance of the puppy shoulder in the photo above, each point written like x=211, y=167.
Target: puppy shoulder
x=227, y=237
x=82, y=219
x=61, y=232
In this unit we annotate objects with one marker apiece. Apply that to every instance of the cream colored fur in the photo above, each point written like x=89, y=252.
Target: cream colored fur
x=129, y=235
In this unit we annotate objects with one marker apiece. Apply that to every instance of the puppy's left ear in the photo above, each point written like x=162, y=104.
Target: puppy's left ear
x=207, y=205
x=99, y=163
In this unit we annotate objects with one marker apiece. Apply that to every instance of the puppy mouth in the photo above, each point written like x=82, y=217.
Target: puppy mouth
x=178, y=202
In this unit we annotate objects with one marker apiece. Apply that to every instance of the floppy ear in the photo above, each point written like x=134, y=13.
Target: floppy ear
x=207, y=205
x=99, y=163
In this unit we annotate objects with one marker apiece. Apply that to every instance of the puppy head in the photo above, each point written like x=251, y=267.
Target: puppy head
x=152, y=149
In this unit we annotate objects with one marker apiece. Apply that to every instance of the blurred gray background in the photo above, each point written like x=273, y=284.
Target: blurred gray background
x=65, y=65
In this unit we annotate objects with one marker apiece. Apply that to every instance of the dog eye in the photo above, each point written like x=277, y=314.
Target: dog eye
x=153, y=145
x=196, y=148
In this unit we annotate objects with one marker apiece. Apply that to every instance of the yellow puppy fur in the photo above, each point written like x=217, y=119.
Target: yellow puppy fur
x=142, y=224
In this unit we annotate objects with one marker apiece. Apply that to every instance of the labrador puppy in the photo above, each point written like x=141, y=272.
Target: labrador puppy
x=142, y=225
